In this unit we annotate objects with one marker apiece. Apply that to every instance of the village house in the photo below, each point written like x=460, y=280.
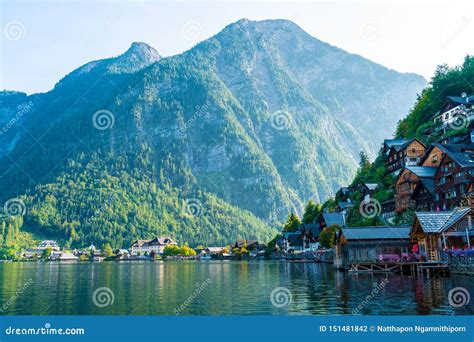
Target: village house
x=210, y=252
x=156, y=245
x=305, y=239
x=388, y=209
x=406, y=183
x=344, y=193
x=423, y=195
x=248, y=244
x=455, y=108
x=388, y=143
x=436, y=231
x=454, y=176
x=42, y=246
x=331, y=219
x=408, y=154
x=360, y=247
x=45, y=244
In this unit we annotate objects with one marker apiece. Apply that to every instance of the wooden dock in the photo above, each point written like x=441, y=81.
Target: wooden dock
x=426, y=267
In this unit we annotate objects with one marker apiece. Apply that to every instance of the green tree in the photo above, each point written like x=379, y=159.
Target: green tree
x=312, y=212
x=171, y=250
x=106, y=250
x=46, y=253
x=292, y=223
x=327, y=237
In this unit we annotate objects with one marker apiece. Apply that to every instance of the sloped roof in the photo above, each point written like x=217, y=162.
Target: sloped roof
x=407, y=142
x=463, y=154
x=462, y=100
x=345, y=205
x=422, y=171
x=333, y=218
x=455, y=217
x=438, y=221
x=311, y=228
x=428, y=184
x=294, y=239
x=371, y=186
x=395, y=142
x=376, y=233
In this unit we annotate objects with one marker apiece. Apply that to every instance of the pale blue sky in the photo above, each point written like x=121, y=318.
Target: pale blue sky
x=57, y=37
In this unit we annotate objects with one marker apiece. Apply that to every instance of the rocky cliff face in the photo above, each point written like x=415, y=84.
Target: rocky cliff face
x=261, y=116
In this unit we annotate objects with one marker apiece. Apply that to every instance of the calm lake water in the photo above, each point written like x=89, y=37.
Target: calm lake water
x=218, y=288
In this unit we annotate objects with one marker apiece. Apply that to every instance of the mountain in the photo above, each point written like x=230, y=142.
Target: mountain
x=242, y=128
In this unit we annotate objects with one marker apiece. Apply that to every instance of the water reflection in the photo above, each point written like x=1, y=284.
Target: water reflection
x=232, y=288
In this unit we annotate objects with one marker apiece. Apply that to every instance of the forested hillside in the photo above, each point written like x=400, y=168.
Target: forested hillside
x=251, y=122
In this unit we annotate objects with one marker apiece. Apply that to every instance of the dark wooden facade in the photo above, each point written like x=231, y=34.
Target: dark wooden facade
x=453, y=182
x=408, y=154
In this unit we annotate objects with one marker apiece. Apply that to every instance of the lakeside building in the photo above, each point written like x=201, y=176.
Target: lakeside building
x=438, y=231
x=31, y=253
x=45, y=244
x=156, y=245
x=371, y=245
x=305, y=239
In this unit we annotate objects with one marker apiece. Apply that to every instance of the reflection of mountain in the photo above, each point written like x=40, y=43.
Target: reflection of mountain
x=251, y=122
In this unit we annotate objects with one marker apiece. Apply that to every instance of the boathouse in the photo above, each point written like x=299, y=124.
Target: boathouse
x=436, y=231
x=358, y=246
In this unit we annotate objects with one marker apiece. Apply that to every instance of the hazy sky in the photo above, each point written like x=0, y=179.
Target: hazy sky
x=44, y=40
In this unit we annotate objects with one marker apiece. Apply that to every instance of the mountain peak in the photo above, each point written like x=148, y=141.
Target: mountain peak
x=142, y=52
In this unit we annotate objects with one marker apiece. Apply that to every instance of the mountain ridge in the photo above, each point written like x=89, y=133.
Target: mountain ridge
x=247, y=116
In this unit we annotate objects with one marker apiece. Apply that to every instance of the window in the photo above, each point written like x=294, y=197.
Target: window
x=434, y=159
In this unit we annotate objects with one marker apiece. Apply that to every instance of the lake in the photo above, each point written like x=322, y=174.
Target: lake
x=218, y=288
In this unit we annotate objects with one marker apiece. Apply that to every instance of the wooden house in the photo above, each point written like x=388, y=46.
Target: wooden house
x=454, y=107
x=454, y=176
x=406, y=184
x=423, y=195
x=370, y=245
x=438, y=230
x=388, y=143
x=388, y=209
x=408, y=154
